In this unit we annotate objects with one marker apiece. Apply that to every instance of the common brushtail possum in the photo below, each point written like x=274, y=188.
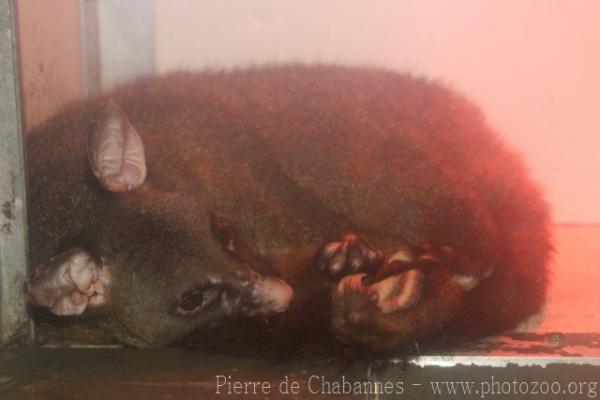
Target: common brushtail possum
x=354, y=206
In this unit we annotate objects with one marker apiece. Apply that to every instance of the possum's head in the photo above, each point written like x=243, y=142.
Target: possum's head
x=175, y=264
x=399, y=307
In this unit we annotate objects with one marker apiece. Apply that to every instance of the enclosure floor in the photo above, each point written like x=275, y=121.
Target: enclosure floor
x=567, y=339
x=140, y=374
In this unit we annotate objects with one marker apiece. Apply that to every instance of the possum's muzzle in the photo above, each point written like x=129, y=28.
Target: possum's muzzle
x=396, y=292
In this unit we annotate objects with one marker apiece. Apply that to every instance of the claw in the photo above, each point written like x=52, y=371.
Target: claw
x=398, y=292
x=331, y=248
x=350, y=255
x=351, y=283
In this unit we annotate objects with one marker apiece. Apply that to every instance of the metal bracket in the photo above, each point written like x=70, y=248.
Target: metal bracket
x=13, y=210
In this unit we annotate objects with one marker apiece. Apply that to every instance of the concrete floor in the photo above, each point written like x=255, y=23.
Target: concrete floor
x=178, y=374
x=565, y=347
x=153, y=374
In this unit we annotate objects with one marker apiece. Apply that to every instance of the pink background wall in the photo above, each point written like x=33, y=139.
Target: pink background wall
x=50, y=56
x=532, y=65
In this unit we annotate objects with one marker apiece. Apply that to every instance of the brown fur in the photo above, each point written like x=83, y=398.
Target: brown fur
x=294, y=156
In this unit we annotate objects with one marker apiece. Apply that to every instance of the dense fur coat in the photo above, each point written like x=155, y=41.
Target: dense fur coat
x=259, y=170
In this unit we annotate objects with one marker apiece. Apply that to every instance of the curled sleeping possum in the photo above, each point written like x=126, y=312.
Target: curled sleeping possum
x=281, y=207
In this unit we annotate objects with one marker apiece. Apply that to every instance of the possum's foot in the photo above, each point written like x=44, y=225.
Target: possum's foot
x=466, y=272
x=382, y=310
x=68, y=283
x=348, y=256
x=397, y=284
x=423, y=257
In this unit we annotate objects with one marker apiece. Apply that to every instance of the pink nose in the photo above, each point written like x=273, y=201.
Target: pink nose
x=274, y=295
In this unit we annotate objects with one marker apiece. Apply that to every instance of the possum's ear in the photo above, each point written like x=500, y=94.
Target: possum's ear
x=68, y=283
x=115, y=150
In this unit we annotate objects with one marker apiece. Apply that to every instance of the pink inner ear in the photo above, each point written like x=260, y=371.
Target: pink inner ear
x=115, y=150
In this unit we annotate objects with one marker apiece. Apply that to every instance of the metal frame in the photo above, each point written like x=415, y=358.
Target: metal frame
x=111, y=16
x=117, y=42
x=13, y=199
x=90, y=47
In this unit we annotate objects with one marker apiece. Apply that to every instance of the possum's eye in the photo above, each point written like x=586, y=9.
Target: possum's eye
x=198, y=299
x=222, y=232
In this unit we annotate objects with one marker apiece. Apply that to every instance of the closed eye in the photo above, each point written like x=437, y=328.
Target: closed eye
x=205, y=298
x=222, y=232
x=198, y=299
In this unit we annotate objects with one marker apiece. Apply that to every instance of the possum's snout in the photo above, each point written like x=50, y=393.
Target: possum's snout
x=274, y=295
x=262, y=294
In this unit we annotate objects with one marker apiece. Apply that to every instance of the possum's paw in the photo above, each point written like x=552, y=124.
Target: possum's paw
x=426, y=257
x=348, y=256
x=465, y=271
x=68, y=283
x=395, y=286
x=392, y=306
